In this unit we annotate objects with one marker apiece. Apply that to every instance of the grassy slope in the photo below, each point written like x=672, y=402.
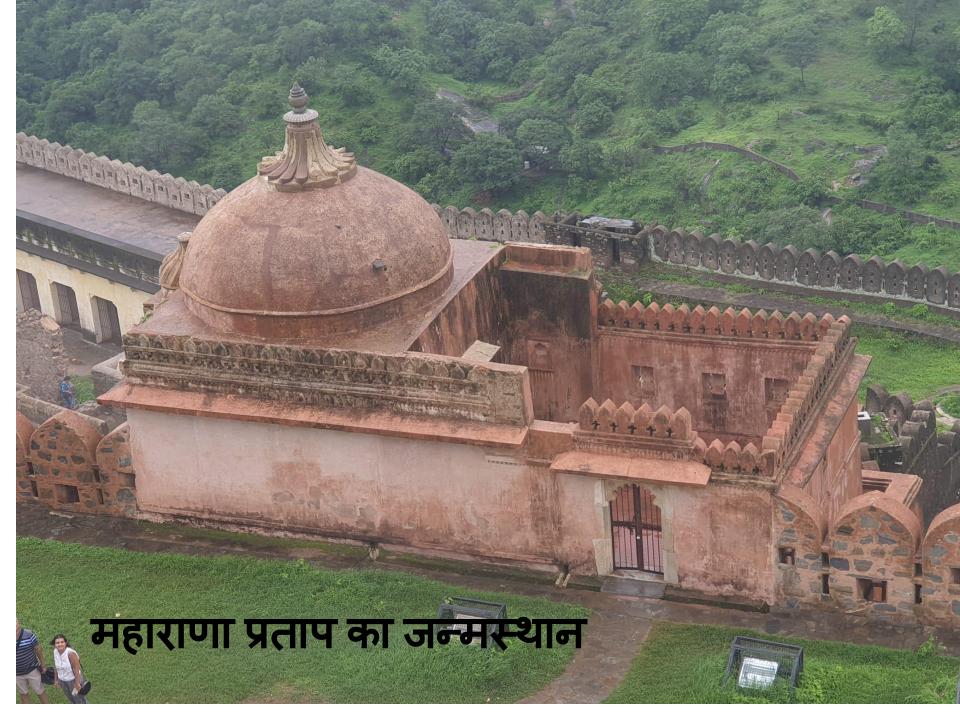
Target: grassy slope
x=685, y=664
x=101, y=582
x=906, y=363
x=845, y=81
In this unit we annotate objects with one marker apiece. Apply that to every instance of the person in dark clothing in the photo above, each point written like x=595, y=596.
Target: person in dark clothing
x=29, y=665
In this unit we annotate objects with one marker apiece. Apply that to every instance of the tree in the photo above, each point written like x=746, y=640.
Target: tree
x=907, y=171
x=215, y=116
x=403, y=67
x=542, y=141
x=664, y=78
x=677, y=22
x=437, y=123
x=411, y=167
x=885, y=31
x=354, y=85
x=490, y=162
x=916, y=9
x=301, y=41
x=732, y=83
x=592, y=117
x=583, y=158
x=800, y=46
x=160, y=140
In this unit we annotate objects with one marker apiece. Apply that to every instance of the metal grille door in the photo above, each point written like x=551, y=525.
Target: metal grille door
x=109, y=321
x=28, y=290
x=637, y=531
x=67, y=305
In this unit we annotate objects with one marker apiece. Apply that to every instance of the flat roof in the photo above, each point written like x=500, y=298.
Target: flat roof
x=127, y=219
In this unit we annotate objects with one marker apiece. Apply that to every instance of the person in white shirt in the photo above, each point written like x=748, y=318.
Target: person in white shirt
x=69, y=675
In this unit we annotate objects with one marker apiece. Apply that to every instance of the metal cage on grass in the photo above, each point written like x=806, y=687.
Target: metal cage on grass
x=461, y=610
x=756, y=663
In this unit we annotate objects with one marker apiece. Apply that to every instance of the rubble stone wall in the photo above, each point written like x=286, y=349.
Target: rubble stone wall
x=66, y=464
x=40, y=360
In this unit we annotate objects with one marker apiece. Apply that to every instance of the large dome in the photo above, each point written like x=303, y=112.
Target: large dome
x=314, y=245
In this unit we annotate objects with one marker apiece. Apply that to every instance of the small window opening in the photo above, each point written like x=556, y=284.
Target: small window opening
x=29, y=468
x=917, y=570
x=825, y=584
x=872, y=590
x=825, y=559
x=67, y=493
x=96, y=476
x=99, y=496
x=955, y=575
x=918, y=593
x=788, y=556
x=33, y=488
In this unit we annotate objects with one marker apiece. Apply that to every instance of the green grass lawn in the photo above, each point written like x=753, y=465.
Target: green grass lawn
x=83, y=386
x=907, y=363
x=685, y=664
x=60, y=587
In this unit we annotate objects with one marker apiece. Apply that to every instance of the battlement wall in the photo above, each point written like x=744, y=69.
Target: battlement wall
x=805, y=272
x=122, y=177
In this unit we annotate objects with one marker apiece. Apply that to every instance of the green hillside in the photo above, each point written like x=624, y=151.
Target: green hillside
x=584, y=92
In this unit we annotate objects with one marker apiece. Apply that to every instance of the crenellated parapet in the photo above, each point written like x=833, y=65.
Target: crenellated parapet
x=642, y=431
x=664, y=433
x=503, y=226
x=713, y=321
x=834, y=349
x=904, y=436
x=807, y=269
x=66, y=464
x=122, y=177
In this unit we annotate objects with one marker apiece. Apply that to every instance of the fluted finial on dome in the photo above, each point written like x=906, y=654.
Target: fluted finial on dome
x=306, y=161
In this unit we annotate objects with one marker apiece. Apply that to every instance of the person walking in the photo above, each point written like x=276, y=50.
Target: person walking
x=67, y=394
x=69, y=674
x=29, y=665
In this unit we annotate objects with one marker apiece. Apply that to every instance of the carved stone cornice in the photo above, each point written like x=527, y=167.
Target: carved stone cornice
x=405, y=383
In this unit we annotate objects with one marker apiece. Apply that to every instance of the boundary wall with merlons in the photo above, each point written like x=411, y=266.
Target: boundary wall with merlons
x=804, y=272
x=150, y=185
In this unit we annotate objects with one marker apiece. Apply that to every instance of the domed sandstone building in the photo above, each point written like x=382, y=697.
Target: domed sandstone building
x=322, y=359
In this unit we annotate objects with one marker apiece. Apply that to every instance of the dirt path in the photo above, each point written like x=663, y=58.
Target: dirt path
x=475, y=120
x=610, y=642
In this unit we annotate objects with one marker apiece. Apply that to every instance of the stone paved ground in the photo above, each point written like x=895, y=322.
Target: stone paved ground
x=610, y=641
x=616, y=628
x=82, y=354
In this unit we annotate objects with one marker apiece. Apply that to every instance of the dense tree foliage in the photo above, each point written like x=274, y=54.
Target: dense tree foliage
x=583, y=91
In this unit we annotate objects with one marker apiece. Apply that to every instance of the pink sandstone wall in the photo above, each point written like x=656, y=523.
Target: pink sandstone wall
x=679, y=364
x=837, y=477
x=722, y=541
x=551, y=326
x=431, y=495
x=474, y=314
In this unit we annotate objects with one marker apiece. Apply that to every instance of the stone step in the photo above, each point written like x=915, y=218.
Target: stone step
x=633, y=587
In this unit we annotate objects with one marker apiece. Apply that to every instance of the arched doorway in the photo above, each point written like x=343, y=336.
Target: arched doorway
x=637, y=531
